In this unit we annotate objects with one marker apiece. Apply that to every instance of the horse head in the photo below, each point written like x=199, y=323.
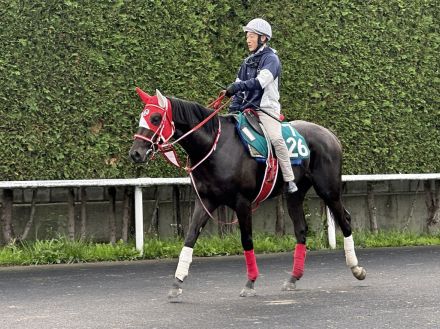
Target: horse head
x=156, y=126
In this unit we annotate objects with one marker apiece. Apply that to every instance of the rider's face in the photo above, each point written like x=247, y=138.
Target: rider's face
x=252, y=41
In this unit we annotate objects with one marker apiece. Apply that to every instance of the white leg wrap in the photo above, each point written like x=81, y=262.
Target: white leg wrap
x=185, y=260
x=350, y=255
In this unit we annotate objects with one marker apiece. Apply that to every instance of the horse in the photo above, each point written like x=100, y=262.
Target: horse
x=223, y=173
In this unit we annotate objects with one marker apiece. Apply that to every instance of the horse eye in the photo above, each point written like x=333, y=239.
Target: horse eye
x=155, y=119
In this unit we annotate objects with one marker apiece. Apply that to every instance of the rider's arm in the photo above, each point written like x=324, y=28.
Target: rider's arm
x=268, y=71
x=248, y=85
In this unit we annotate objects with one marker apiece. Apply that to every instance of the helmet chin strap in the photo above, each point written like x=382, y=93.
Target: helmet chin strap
x=259, y=44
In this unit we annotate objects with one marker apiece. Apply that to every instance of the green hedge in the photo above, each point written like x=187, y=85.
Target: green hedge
x=368, y=70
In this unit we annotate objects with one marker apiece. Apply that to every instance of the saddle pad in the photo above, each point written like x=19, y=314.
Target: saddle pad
x=258, y=146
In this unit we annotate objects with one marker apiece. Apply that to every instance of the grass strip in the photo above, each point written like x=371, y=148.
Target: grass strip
x=62, y=250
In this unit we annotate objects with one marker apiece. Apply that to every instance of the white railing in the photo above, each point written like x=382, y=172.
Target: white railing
x=371, y=178
x=139, y=183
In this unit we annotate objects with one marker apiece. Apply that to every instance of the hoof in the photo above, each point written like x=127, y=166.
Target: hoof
x=175, y=293
x=290, y=284
x=359, y=272
x=248, y=290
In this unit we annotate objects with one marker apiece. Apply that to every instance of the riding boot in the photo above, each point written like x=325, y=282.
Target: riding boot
x=291, y=187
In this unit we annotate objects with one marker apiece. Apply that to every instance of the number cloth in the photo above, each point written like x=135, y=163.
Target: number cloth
x=257, y=145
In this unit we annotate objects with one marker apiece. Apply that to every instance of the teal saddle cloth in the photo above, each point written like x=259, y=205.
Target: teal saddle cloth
x=257, y=145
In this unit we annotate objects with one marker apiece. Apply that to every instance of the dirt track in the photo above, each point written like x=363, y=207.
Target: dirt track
x=402, y=290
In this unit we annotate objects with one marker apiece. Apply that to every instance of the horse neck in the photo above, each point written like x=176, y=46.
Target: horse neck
x=186, y=115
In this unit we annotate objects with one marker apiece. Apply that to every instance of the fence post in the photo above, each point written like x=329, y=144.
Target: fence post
x=6, y=215
x=112, y=217
x=126, y=212
x=372, y=211
x=71, y=213
x=83, y=193
x=280, y=228
x=176, y=213
x=139, y=219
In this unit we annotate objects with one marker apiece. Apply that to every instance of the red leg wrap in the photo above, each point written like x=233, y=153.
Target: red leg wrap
x=251, y=265
x=299, y=258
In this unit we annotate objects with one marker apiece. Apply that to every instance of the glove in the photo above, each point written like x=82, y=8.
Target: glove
x=230, y=90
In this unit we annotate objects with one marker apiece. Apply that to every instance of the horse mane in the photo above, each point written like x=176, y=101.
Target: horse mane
x=191, y=113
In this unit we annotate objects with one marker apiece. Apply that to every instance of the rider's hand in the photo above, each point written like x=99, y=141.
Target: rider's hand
x=230, y=90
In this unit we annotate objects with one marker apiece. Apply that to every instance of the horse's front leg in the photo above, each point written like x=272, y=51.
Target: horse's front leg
x=198, y=222
x=244, y=214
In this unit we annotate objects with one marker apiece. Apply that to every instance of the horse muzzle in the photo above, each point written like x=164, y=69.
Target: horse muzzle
x=139, y=155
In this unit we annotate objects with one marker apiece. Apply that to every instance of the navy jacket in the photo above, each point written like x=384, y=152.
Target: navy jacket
x=258, y=83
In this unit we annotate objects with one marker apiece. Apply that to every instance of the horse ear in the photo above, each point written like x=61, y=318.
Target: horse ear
x=163, y=103
x=143, y=95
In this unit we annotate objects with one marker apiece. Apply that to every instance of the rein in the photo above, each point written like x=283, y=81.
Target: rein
x=167, y=149
x=217, y=106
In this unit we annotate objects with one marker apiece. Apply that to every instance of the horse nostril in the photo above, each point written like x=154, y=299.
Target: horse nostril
x=135, y=156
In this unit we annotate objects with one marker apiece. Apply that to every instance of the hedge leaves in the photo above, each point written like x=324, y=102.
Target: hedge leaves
x=68, y=69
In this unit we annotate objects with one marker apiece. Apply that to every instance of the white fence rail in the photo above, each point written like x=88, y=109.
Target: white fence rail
x=139, y=183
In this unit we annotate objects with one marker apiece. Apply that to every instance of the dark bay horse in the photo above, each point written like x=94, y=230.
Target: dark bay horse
x=223, y=173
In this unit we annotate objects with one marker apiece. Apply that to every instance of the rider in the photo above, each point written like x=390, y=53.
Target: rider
x=257, y=87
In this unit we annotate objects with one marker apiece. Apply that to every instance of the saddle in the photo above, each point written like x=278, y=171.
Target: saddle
x=255, y=140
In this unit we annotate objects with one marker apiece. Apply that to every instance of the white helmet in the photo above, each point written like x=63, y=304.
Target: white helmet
x=259, y=26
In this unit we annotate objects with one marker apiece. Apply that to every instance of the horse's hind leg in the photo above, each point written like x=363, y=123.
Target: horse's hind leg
x=344, y=219
x=296, y=213
x=332, y=197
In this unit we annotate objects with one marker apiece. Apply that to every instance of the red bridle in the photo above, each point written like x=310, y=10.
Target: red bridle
x=163, y=132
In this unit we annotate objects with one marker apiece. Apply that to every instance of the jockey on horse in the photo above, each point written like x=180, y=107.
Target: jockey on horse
x=257, y=87
x=223, y=172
